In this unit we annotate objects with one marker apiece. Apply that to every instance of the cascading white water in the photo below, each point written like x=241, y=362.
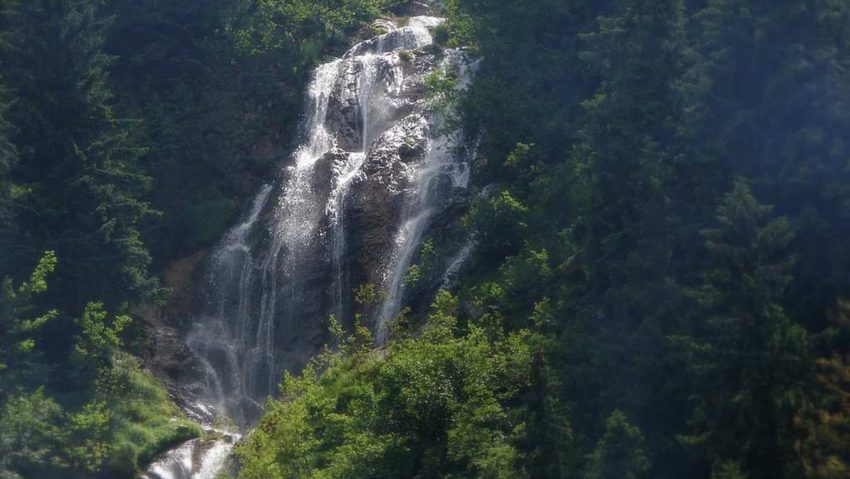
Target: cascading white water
x=222, y=334
x=371, y=171
x=436, y=168
x=195, y=459
x=275, y=277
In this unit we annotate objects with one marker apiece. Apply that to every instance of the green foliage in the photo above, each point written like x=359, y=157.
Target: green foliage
x=823, y=451
x=460, y=27
x=727, y=470
x=19, y=359
x=618, y=134
x=443, y=94
x=368, y=295
x=143, y=420
x=440, y=405
x=426, y=268
x=518, y=292
x=112, y=419
x=78, y=160
x=500, y=223
x=88, y=440
x=122, y=428
x=753, y=359
x=173, y=70
x=100, y=337
x=770, y=80
x=605, y=277
x=441, y=323
x=548, y=439
x=619, y=453
x=30, y=434
x=283, y=27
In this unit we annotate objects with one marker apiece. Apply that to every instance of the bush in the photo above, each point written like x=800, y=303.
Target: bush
x=145, y=421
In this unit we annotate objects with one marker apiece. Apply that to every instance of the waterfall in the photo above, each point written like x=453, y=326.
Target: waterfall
x=195, y=459
x=418, y=213
x=437, y=169
x=373, y=169
x=351, y=207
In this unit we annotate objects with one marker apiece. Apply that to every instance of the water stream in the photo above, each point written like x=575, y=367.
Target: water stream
x=373, y=169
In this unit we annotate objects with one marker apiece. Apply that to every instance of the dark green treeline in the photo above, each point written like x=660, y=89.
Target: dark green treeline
x=641, y=140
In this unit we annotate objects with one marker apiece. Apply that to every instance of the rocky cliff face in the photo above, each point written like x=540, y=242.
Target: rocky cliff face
x=375, y=174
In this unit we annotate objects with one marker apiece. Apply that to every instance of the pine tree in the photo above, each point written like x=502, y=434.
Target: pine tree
x=8, y=152
x=8, y=159
x=622, y=172
x=78, y=161
x=619, y=453
x=628, y=151
x=548, y=437
x=773, y=82
x=751, y=365
x=825, y=449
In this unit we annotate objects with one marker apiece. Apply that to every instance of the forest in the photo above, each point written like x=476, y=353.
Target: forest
x=660, y=284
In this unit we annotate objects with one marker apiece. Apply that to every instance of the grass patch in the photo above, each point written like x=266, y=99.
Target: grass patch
x=406, y=56
x=146, y=422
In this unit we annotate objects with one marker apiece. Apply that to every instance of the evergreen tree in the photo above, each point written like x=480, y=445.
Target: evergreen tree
x=78, y=161
x=8, y=152
x=825, y=451
x=751, y=365
x=548, y=436
x=626, y=295
x=8, y=159
x=627, y=153
x=773, y=77
x=619, y=453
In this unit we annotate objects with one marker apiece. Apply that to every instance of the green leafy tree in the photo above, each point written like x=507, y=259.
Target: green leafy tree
x=444, y=404
x=19, y=359
x=100, y=338
x=88, y=443
x=500, y=222
x=442, y=322
x=31, y=435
